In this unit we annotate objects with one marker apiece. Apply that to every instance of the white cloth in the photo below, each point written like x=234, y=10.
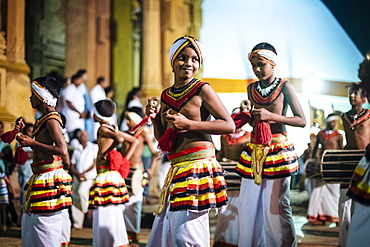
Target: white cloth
x=345, y=215
x=358, y=232
x=84, y=159
x=75, y=96
x=227, y=227
x=97, y=93
x=42, y=230
x=109, y=226
x=65, y=237
x=180, y=228
x=265, y=215
x=324, y=201
x=162, y=172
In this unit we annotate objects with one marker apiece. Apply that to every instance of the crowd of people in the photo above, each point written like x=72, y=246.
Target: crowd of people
x=81, y=160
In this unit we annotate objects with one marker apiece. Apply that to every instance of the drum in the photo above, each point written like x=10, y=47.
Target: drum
x=233, y=180
x=312, y=168
x=337, y=166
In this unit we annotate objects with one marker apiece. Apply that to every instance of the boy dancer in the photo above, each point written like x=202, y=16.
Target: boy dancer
x=323, y=205
x=356, y=125
x=48, y=192
x=108, y=192
x=359, y=189
x=265, y=215
x=195, y=181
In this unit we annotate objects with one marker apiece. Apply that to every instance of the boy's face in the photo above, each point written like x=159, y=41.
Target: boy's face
x=262, y=69
x=355, y=97
x=35, y=102
x=331, y=125
x=186, y=64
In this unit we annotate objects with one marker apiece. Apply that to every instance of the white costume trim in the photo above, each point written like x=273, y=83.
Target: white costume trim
x=268, y=54
x=43, y=93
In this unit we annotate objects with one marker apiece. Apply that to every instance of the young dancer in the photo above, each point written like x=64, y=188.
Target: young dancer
x=45, y=219
x=108, y=192
x=195, y=181
x=265, y=215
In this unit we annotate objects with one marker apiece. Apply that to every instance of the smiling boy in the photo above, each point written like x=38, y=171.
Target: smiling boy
x=195, y=181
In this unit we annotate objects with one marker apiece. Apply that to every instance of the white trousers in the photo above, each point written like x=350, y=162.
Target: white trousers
x=109, y=226
x=185, y=228
x=265, y=215
x=42, y=230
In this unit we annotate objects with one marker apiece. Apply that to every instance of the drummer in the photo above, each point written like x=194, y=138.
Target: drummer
x=323, y=204
x=356, y=125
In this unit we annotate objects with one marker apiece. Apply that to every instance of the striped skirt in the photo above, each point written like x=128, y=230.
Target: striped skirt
x=195, y=181
x=49, y=188
x=279, y=159
x=108, y=188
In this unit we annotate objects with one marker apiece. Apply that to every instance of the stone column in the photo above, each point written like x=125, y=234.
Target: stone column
x=151, y=79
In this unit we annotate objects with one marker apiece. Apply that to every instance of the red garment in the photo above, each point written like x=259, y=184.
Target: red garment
x=20, y=156
x=119, y=163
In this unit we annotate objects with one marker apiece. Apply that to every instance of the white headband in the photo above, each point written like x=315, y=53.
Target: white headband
x=180, y=44
x=331, y=118
x=267, y=55
x=134, y=117
x=43, y=94
x=107, y=119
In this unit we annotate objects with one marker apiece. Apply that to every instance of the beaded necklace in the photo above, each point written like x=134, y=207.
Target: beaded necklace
x=176, y=98
x=356, y=119
x=265, y=96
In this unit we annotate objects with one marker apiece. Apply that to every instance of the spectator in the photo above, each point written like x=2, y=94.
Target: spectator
x=84, y=172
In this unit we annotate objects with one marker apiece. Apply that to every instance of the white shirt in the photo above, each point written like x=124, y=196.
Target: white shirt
x=75, y=96
x=97, y=93
x=84, y=159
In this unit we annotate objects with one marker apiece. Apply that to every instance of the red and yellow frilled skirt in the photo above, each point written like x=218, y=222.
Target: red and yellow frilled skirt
x=195, y=181
x=278, y=159
x=49, y=188
x=108, y=188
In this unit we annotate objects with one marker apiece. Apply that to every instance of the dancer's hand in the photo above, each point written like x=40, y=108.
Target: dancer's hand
x=178, y=121
x=152, y=108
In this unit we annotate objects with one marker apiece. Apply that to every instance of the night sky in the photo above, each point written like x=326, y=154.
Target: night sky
x=354, y=16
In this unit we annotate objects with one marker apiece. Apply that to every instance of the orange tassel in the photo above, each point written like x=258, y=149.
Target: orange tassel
x=168, y=140
x=20, y=156
x=263, y=133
